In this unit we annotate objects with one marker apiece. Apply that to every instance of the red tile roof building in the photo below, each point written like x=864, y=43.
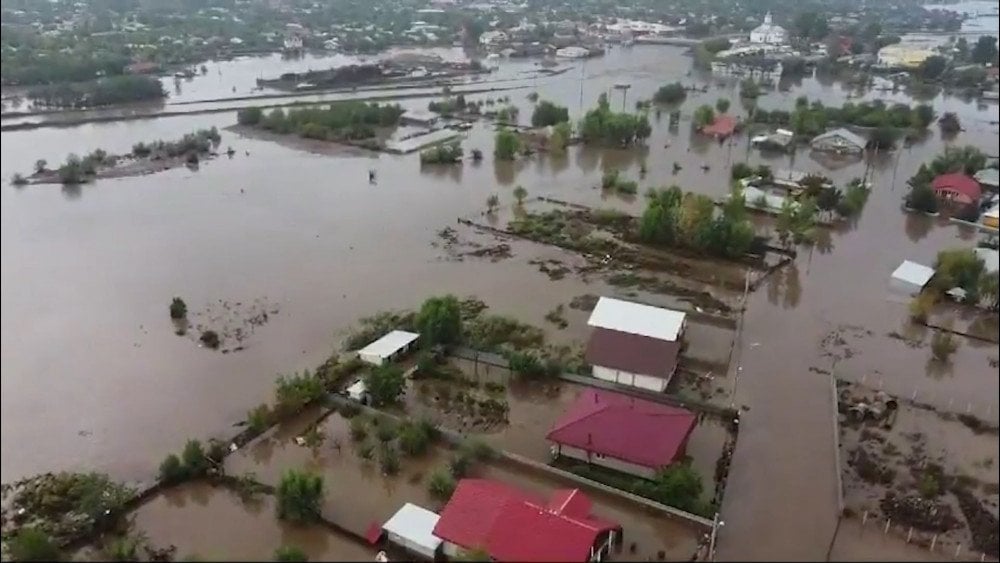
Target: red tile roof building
x=957, y=187
x=723, y=126
x=511, y=525
x=622, y=432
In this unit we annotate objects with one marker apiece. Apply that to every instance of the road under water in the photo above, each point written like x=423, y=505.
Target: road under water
x=94, y=377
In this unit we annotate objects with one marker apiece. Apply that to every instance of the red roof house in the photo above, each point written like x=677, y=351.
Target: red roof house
x=511, y=525
x=723, y=126
x=957, y=187
x=622, y=432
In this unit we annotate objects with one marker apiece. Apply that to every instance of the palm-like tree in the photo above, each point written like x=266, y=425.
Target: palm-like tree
x=492, y=202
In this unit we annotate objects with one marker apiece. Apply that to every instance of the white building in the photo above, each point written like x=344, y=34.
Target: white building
x=910, y=277
x=769, y=33
x=572, y=52
x=412, y=528
x=634, y=344
x=388, y=347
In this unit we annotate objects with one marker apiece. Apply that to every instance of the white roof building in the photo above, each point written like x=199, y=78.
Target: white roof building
x=636, y=318
x=910, y=277
x=412, y=528
x=386, y=348
x=990, y=258
x=769, y=33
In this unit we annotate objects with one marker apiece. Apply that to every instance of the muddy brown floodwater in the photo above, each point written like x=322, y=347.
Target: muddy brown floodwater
x=94, y=378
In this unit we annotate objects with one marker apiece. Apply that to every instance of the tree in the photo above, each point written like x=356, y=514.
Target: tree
x=811, y=26
x=178, y=308
x=299, y=496
x=561, y=134
x=414, y=439
x=922, y=198
x=962, y=46
x=547, y=113
x=290, y=553
x=923, y=116
x=506, y=145
x=673, y=93
x=933, y=67
x=678, y=485
x=491, y=203
x=520, y=193
x=988, y=283
x=384, y=384
x=123, y=548
x=741, y=170
x=41, y=165
x=883, y=138
x=172, y=470
x=440, y=320
x=249, y=116
x=959, y=268
x=943, y=345
x=32, y=544
x=749, y=89
x=703, y=116
x=722, y=105
x=194, y=459
x=985, y=50
x=441, y=485
x=949, y=123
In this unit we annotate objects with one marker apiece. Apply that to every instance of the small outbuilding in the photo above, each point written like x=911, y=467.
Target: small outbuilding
x=958, y=188
x=988, y=178
x=420, y=118
x=388, y=348
x=721, y=127
x=910, y=277
x=412, y=528
x=840, y=141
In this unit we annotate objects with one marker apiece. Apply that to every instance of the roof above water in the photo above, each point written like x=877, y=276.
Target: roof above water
x=913, y=273
x=389, y=344
x=415, y=524
x=636, y=318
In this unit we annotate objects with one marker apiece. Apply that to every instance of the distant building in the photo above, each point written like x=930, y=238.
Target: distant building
x=781, y=140
x=902, y=56
x=769, y=33
x=958, y=188
x=841, y=141
x=623, y=433
x=572, y=53
x=721, y=127
x=420, y=118
x=988, y=177
x=512, y=525
x=389, y=347
x=634, y=344
x=991, y=217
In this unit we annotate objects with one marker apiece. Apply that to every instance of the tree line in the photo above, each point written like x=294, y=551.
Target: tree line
x=101, y=92
x=340, y=121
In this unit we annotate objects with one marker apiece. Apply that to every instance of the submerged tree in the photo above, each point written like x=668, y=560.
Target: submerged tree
x=299, y=495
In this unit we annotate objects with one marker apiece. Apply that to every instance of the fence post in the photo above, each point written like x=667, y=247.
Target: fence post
x=933, y=542
x=913, y=397
x=909, y=535
x=887, y=524
x=958, y=549
x=968, y=408
x=864, y=519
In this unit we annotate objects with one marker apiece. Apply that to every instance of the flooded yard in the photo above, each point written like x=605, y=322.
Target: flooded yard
x=358, y=494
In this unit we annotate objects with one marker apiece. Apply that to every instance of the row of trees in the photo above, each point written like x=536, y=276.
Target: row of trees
x=343, y=120
x=101, y=92
x=673, y=93
x=547, y=113
x=814, y=118
x=602, y=126
x=689, y=220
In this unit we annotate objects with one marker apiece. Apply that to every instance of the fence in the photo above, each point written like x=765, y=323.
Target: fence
x=939, y=401
x=870, y=526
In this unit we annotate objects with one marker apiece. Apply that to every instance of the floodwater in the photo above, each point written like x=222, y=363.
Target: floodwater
x=215, y=524
x=357, y=494
x=93, y=376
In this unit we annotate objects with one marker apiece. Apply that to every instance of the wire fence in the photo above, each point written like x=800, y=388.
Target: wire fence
x=943, y=545
x=986, y=409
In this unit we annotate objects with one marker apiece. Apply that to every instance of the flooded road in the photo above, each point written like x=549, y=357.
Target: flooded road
x=93, y=376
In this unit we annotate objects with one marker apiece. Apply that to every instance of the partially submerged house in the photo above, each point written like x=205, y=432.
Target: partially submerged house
x=780, y=139
x=512, y=525
x=721, y=127
x=623, y=433
x=991, y=217
x=634, y=344
x=957, y=188
x=988, y=178
x=389, y=347
x=840, y=141
x=412, y=529
x=910, y=277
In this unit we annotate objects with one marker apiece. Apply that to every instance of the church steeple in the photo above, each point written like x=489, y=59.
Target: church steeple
x=767, y=18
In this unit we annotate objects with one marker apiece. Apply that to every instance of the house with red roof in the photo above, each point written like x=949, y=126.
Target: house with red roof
x=512, y=525
x=958, y=188
x=622, y=432
x=721, y=127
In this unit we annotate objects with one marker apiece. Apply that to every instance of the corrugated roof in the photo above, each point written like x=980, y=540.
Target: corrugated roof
x=632, y=353
x=416, y=525
x=963, y=187
x=636, y=318
x=512, y=526
x=845, y=134
x=389, y=344
x=626, y=428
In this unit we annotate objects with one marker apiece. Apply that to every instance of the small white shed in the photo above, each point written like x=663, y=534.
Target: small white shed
x=412, y=528
x=388, y=347
x=910, y=277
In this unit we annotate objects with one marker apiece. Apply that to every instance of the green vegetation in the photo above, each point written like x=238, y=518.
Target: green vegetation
x=796, y=222
x=960, y=267
x=673, y=93
x=441, y=485
x=440, y=320
x=677, y=485
x=18, y=179
x=943, y=345
x=602, y=126
x=124, y=548
x=561, y=134
x=290, y=553
x=612, y=181
x=299, y=496
x=749, y=89
x=192, y=463
x=673, y=218
x=445, y=153
x=704, y=115
x=32, y=544
x=385, y=384
x=985, y=50
x=388, y=459
x=815, y=118
x=519, y=194
x=704, y=52
x=547, y=113
x=178, y=308
x=492, y=202
x=292, y=393
x=949, y=123
x=342, y=121
x=966, y=160
x=416, y=438
x=199, y=142
x=475, y=554
x=508, y=115
x=722, y=105
x=507, y=145
x=449, y=106
x=100, y=92
x=259, y=418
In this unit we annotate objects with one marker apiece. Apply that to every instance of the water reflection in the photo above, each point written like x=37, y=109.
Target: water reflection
x=72, y=191
x=504, y=171
x=784, y=287
x=917, y=226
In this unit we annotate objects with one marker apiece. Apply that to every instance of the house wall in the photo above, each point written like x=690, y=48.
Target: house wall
x=634, y=379
x=836, y=144
x=372, y=359
x=451, y=549
x=410, y=546
x=605, y=461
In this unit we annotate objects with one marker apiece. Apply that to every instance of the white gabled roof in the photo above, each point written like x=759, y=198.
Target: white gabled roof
x=416, y=525
x=911, y=272
x=990, y=258
x=389, y=344
x=636, y=318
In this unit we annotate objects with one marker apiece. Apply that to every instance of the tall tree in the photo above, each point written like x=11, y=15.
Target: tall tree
x=985, y=50
x=440, y=320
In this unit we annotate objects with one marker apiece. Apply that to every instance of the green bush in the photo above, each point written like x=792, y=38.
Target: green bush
x=546, y=113
x=259, y=418
x=299, y=496
x=290, y=553
x=388, y=459
x=292, y=393
x=249, y=116
x=441, y=485
x=172, y=470
x=32, y=544
x=670, y=94
x=506, y=145
x=385, y=384
x=178, y=308
x=414, y=439
x=194, y=458
x=385, y=432
x=359, y=430
x=943, y=345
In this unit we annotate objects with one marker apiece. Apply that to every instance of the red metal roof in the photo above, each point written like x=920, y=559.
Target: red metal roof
x=958, y=186
x=623, y=427
x=633, y=353
x=723, y=126
x=513, y=526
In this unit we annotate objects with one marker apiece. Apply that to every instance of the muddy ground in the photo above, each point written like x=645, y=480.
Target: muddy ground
x=933, y=472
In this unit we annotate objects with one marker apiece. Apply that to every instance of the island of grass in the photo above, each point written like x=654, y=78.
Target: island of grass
x=365, y=125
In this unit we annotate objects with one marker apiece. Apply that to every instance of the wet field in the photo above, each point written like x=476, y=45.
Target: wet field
x=93, y=376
